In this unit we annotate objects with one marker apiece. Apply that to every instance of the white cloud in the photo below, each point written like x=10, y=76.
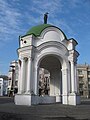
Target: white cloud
x=9, y=20
x=53, y=6
x=66, y=28
x=35, y=10
x=13, y=19
x=75, y=3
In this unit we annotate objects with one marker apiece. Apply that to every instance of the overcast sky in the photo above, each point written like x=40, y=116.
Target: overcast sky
x=18, y=16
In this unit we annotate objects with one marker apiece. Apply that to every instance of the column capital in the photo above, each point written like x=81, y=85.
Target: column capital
x=22, y=58
x=73, y=56
x=64, y=69
x=73, y=61
x=30, y=58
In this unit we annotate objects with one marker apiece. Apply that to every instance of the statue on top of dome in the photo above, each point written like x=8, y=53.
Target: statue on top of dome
x=45, y=17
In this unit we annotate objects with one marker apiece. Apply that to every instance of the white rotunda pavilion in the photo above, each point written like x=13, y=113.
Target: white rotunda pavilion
x=46, y=46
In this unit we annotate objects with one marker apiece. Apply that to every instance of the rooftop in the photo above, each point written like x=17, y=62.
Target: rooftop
x=36, y=30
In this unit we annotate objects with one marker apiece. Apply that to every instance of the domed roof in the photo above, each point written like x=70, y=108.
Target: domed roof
x=36, y=30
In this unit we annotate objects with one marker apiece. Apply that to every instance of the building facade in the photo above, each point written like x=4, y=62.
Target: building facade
x=83, y=72
x=3, y=85
x=13, y=78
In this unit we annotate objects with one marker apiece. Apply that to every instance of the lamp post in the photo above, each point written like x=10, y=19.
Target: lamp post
x=12, y=83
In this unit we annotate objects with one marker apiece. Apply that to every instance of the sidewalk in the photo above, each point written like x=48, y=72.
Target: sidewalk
x=10, y=111
x=6, y=99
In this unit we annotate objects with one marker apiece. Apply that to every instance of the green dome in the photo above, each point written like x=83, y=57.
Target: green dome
x=36, y=30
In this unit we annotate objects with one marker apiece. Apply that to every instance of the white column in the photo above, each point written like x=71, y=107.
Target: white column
x=76, y=78
x=22, y=76
x=72, y=77
x=19, y=77
x=29, y=76
x=73, y=98
x=52, y=83
x=64, y=85
x=64, y=81
x=69, y=78
x=36, y=80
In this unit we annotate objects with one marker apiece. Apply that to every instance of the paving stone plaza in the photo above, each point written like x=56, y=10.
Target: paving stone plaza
x=10, y=111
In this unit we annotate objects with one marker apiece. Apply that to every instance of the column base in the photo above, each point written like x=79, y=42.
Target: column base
x=74, y=99
x=58, y=98
x=65, y=99
x=25, y=99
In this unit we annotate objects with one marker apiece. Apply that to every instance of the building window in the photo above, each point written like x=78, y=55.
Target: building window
x=89, y=93
x=89, y=86
x=88, y=80
x=80, y=79
x=16, y=83
x=80, y=72
x=81, y=93
x=88, y=72
x=81, y=86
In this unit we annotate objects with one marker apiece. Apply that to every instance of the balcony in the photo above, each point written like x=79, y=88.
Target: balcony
x=80, y=75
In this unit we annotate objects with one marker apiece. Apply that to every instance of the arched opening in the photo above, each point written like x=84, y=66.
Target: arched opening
x=50, y=76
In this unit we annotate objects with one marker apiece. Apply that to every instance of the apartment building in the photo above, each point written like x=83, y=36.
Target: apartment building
x=13, y=78
x=3, y=85
x=83, y=72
